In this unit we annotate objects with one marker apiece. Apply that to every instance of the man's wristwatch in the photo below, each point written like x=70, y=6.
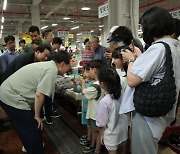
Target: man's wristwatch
x=130, y=60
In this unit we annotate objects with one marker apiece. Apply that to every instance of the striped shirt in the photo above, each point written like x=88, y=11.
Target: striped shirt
x=87, y=56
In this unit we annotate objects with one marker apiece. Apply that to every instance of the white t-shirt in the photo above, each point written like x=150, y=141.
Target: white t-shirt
x=123, y=79
x=91, y=93
x=116, y=125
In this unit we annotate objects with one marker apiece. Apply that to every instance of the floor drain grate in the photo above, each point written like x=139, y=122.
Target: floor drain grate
x=64, y=139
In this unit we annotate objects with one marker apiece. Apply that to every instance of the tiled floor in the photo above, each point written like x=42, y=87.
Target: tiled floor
x=11, y=144
x=165, y=150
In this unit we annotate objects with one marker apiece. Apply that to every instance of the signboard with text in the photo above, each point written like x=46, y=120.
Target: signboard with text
x=175, y=14
x=86, y=34
x=63, y=34
x=103, y=9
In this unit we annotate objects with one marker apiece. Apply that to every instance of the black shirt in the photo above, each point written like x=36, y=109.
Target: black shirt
x=17, y=63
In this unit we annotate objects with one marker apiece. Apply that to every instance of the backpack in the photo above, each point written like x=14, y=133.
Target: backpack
x=157, y=100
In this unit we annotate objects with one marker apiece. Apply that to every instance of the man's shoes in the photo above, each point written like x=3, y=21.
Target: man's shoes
x=55, y=114
x=49, y=120
x=1, y=151
x=88, y=149
x=24, y=150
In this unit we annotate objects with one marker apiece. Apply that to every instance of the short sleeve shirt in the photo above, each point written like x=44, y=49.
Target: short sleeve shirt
x=150, y=67
x=91, y=93
x=7, y=58
x=99, y=53
x=20, y=88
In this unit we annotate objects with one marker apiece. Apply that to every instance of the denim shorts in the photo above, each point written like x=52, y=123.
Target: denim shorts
x=92, y=124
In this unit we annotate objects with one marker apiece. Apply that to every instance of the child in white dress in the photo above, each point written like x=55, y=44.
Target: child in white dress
x=113, y=126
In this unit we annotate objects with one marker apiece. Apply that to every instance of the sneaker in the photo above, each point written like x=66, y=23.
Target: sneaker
x=84, y=137
x=85, y=142
x=55, y=114
x=88, y=149
x=24, y=150
x=49, y=120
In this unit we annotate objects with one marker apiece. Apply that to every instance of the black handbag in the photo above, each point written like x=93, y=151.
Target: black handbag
x=157, y=100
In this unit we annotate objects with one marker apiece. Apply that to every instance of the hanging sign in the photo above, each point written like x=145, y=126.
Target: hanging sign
x=85, y=34
x=175, y=14
x=103, y=9
x=63, y=34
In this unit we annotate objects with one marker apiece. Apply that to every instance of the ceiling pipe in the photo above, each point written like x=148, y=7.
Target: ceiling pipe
x=174, y=9
x=42, y=14
x=151, y=4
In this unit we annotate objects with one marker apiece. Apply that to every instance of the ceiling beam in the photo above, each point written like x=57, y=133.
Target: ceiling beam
x=36, y=2
x=20, y=4
x=57, y=20
x=61, y=4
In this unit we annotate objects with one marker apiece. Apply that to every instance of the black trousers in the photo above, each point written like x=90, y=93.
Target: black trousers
x=26, y=127
x=48, y=107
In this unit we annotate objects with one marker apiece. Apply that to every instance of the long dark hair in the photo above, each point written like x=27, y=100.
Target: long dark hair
x=111, y=80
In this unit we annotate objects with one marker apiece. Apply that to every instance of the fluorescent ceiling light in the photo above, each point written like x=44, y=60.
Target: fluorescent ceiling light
x=2, y=19
x=54, y=24
x=75, y=28
x=1, y=31
x=2, y=26
x=4, y=4
x=44, y=27
x=100, y=29
x=66, y=18
x=79, y=34
x=85, y=8
x=101, y=26
x=92, y=31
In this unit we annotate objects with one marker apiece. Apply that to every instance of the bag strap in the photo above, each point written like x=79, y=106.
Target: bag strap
x=168, y=63
x=97, y=87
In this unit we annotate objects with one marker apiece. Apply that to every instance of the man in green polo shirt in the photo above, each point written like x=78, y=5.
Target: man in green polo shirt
x=23, y=93
x=34, y=34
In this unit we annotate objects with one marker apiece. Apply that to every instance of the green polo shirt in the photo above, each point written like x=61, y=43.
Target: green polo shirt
x=29, y=47
x=20, y=88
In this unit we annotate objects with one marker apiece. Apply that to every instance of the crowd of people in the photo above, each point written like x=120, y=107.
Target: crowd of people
x=112, y=78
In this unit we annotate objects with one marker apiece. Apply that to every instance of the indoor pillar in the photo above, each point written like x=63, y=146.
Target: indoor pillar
x=35, y=13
